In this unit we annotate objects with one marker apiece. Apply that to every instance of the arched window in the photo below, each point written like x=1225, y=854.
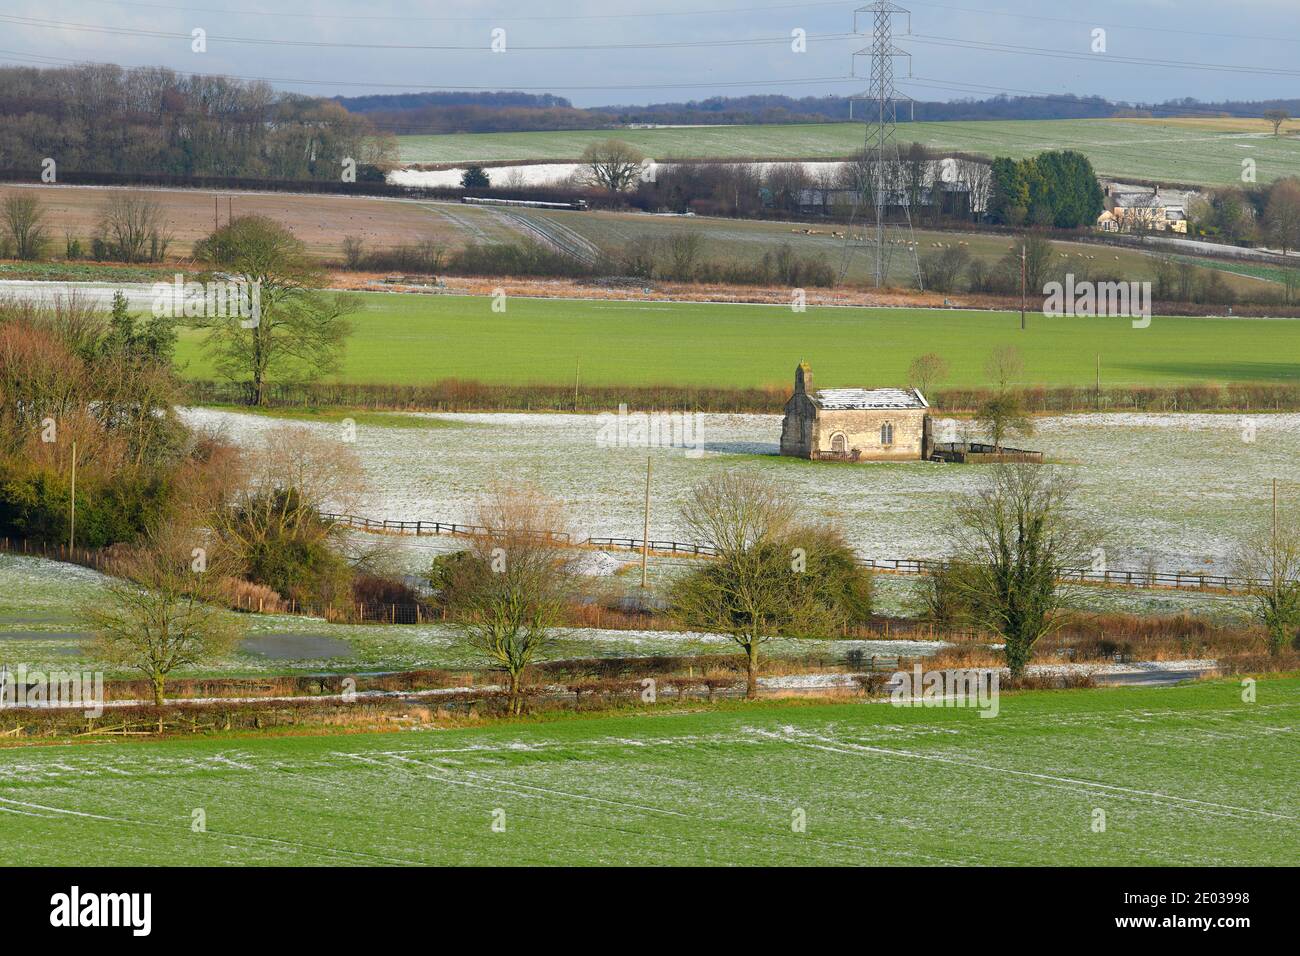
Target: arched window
x=839, y=444
x=887, y=433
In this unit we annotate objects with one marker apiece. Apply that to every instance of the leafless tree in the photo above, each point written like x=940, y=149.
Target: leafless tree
x=1004, y=365
x=1282, y=215
x=512, y=590
x=977, y=174
x=1270, y=559
x=285, y=483
x=744, y=594
x=23, y=223
x=927, y=370
x=162, y=613
x=134, y=226
x=613, y=165
x=1016, y=536
x=684, y=249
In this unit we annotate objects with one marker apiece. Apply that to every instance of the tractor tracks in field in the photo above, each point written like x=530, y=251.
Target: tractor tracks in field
x=557, y=236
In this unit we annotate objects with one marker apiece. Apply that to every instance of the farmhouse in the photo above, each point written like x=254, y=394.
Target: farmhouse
x=855, y=424
x=1132, y=209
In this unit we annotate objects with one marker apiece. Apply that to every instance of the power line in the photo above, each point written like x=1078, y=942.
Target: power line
x=426, y=47
x=41, y=59
x=481, y=18
x=1098, y=58
x=1216, y=34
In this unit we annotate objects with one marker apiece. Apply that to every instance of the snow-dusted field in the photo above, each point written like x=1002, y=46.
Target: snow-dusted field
x=554, y=174
x=1170, y=490
x=1187, y=775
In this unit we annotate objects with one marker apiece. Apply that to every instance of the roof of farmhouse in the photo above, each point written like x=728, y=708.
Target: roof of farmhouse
x=867, y=398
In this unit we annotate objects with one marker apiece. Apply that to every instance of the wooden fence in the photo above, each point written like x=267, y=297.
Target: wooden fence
x=1177, y=580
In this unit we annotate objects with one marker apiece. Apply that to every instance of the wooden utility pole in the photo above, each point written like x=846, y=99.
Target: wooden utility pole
x=216, y=213
x=72, y=502
x=1023, y=277
x=1274, y=575
x=1098, y=381
x=577, y=373
x=645, y=527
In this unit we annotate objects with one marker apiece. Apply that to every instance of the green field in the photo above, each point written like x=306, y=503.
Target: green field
x=1171, y=151
x=413, y=339
x=1185, y=775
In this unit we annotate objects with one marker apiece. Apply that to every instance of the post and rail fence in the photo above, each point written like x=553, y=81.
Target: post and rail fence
x=1176, y=580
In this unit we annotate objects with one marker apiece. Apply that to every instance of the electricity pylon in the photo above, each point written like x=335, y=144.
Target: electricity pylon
x=878, y=177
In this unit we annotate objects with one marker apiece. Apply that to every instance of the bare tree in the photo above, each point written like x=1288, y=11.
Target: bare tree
x=1036, y=263
x=1270, y=560
x=977, y=175
x=1282, y=215
x=1016, y=537
x=134, y=227
x=927, y=370
x=163, y=614
x=513, y=587
x=354, y=251
x=743, y=594
x=684, y=248
x=613, y=165
x=1276, y=118
x=24, y=226
x=944, y=269
x=282, y=487
x=1004, y=365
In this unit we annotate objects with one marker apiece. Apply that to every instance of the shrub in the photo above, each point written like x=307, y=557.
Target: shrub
x=305, y=569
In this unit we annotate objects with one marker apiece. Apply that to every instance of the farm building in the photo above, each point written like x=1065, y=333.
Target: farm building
x=855, y=424
x=1133, y=209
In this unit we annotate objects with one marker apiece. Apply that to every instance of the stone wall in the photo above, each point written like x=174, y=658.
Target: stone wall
x=861, y=429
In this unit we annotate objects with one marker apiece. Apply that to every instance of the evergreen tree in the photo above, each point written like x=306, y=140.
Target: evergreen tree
x=475, y=177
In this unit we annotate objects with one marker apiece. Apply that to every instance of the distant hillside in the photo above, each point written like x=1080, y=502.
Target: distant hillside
x=507, y=111
x=499, y=99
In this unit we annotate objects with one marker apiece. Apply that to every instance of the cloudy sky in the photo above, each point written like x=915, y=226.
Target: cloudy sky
x=639, y=51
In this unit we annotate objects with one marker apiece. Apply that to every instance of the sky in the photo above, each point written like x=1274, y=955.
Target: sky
x=606, y=52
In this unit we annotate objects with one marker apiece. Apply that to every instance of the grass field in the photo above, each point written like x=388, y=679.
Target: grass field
x=412, y=339
x=1173, y=151
x=1185, y=775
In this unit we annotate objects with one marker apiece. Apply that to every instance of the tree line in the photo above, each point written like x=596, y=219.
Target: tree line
x=103, y=118
x=516, y=111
